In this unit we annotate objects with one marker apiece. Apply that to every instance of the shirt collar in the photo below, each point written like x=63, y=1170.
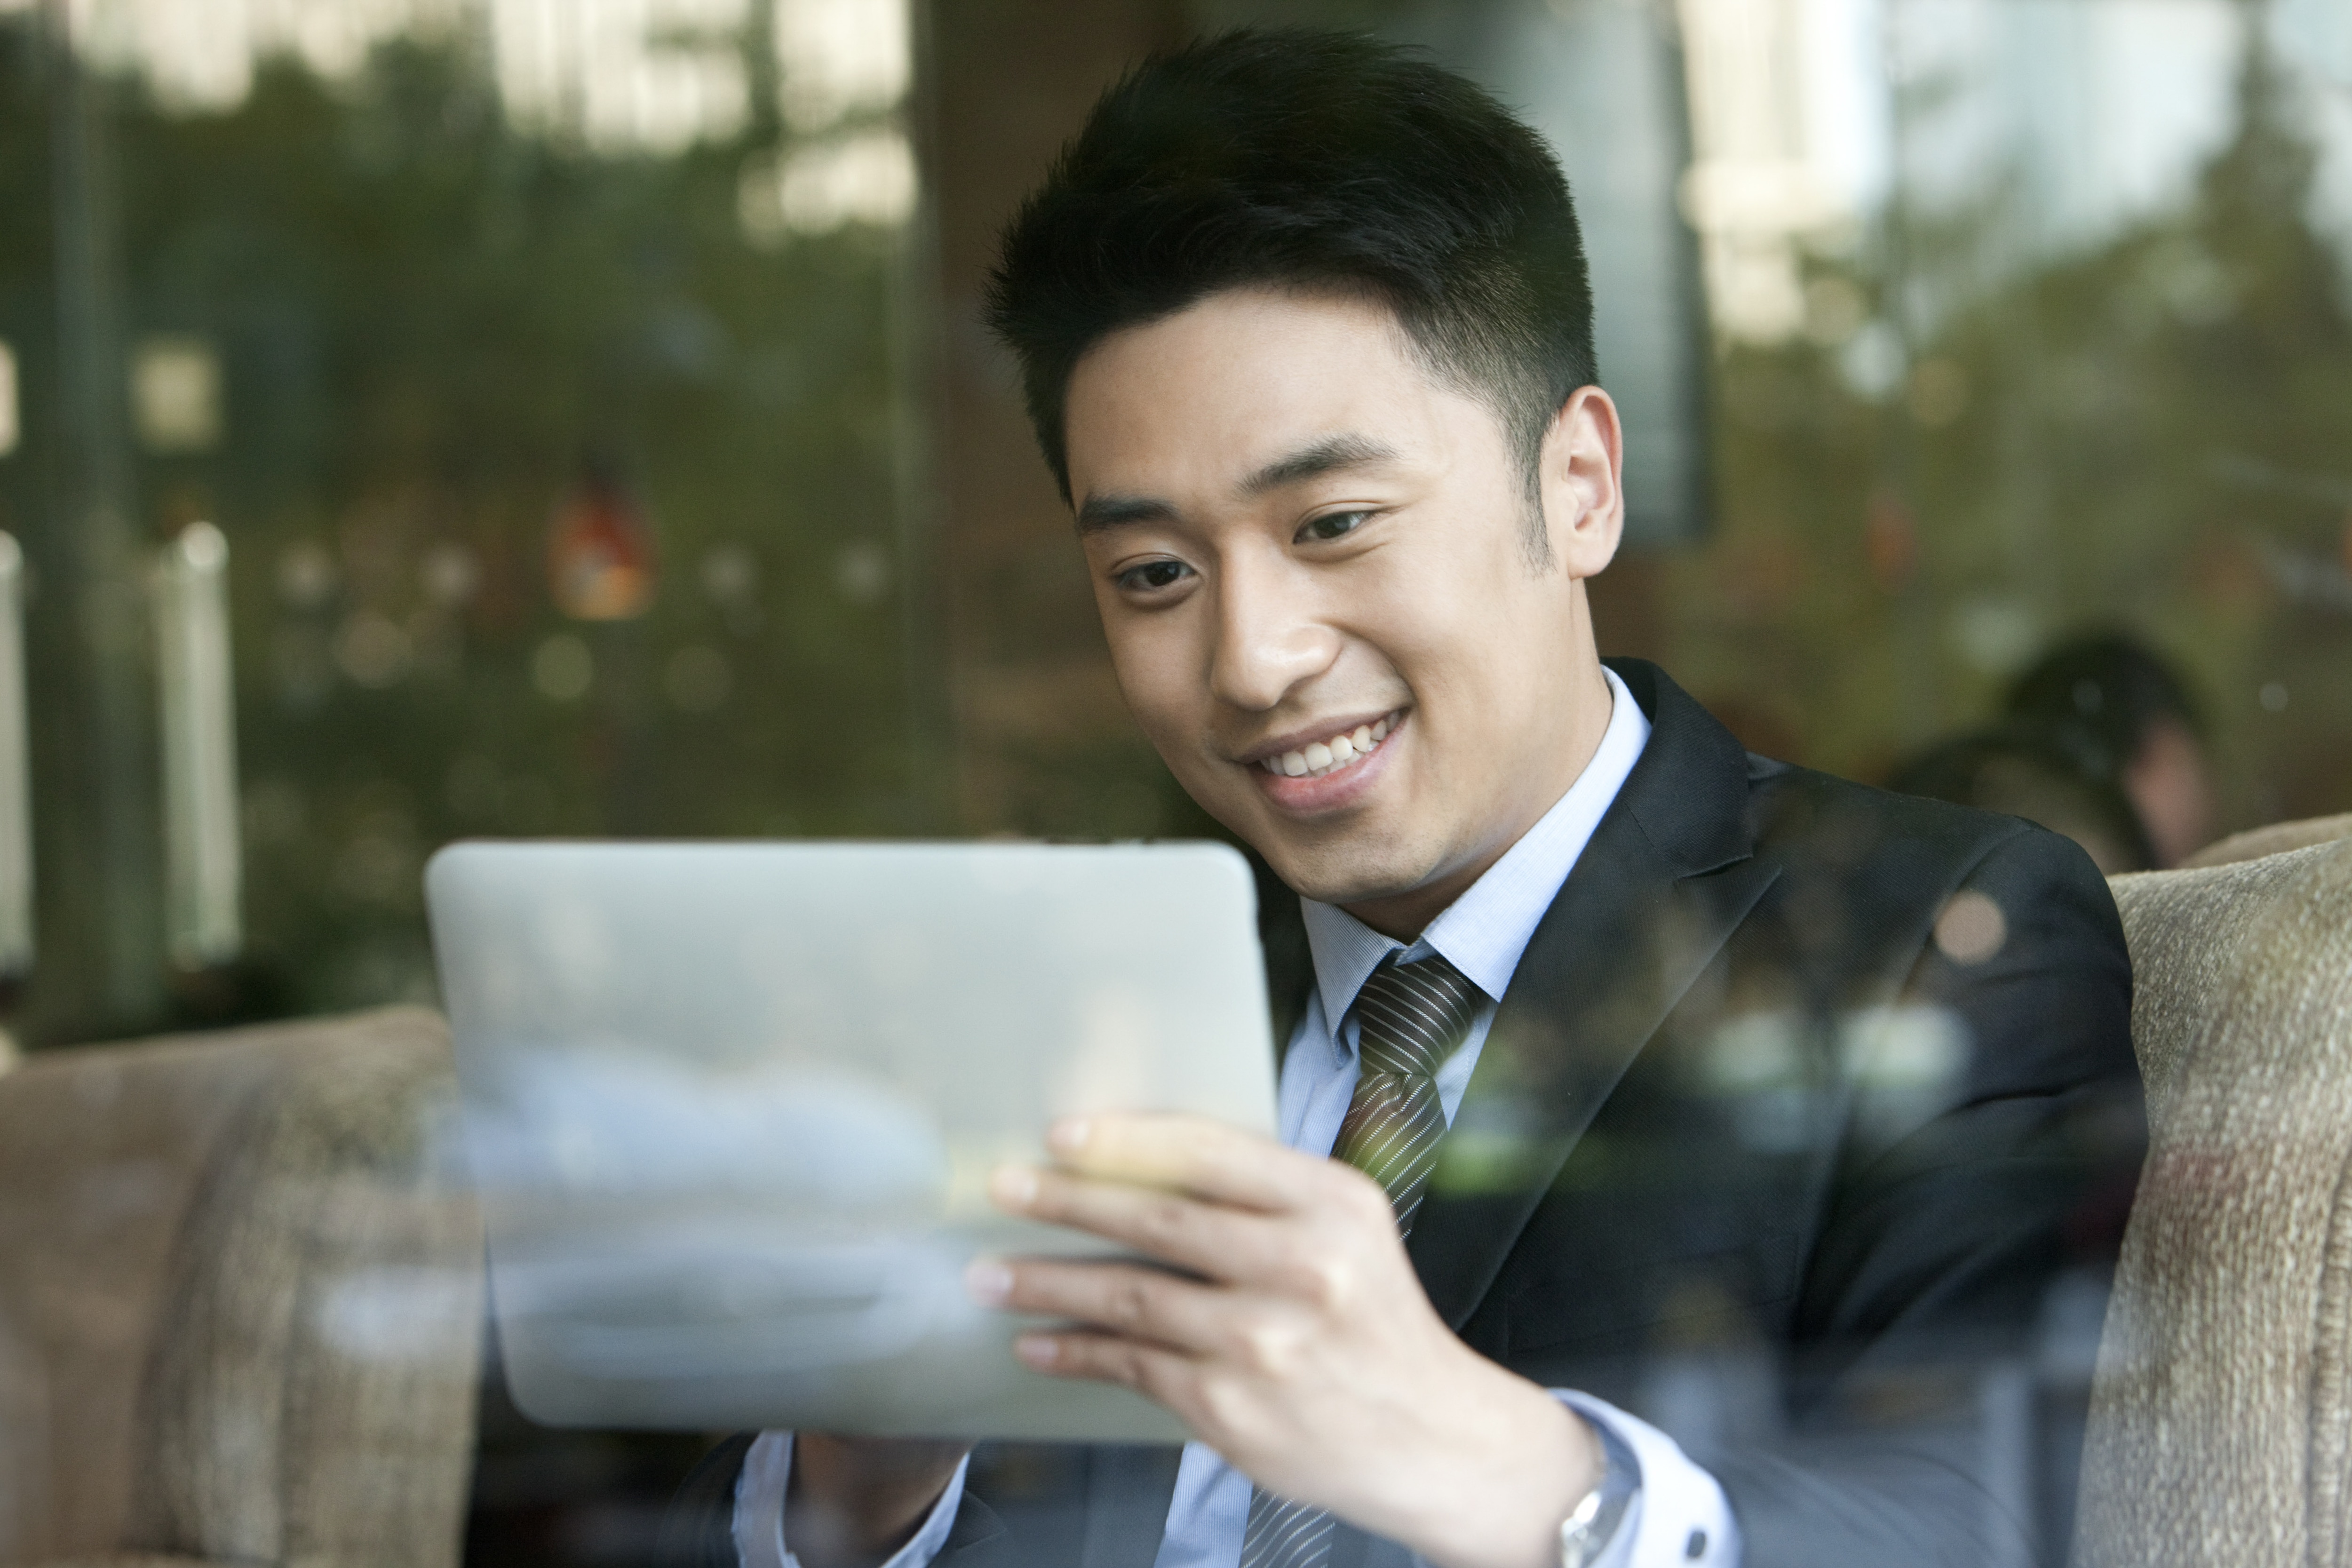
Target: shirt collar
x=1483, y=932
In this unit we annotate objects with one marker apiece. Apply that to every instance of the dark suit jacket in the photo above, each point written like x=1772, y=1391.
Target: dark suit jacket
x=1751, y=1145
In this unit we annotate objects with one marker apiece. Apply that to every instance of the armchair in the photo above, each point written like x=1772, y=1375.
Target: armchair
x=240, y=1301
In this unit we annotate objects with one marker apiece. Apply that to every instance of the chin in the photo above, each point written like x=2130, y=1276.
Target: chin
x=1345, y=873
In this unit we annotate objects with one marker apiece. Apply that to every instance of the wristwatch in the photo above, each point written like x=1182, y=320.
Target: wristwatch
x=1592, y=1524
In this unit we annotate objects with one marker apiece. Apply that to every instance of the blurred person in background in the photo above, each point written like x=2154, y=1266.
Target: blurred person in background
x=2053, y=776
x=2143, y=731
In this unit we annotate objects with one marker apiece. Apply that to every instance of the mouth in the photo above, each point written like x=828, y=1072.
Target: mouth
x=1340, y=750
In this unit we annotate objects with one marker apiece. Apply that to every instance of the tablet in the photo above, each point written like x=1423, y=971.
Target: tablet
x=731, y=1109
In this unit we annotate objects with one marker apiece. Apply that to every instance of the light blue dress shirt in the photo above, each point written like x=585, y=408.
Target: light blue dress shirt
x=1677, y=1505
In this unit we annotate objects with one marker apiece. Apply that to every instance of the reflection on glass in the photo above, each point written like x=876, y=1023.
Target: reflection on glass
x=10, y=429
x=2026, y=315
x=175, y=394
x=205, y=855
x=15, y=772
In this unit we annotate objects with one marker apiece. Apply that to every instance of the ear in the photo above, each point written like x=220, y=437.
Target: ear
x=1581, y=472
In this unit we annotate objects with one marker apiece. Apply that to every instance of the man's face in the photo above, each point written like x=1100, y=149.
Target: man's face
x=1312, y=563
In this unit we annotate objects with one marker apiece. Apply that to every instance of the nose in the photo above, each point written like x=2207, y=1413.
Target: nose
x=1270, y=635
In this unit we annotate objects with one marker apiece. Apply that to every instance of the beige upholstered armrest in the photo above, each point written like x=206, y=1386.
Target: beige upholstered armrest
x=240, y=1300
x=2273, y=839
x=2221, y=1432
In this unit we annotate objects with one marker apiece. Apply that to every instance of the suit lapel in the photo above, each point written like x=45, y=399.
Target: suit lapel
x=1667, y=877
x=1128, y=1489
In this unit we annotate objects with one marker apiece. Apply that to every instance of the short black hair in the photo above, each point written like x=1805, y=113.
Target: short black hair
x=2111, y=687
x=1290, y=158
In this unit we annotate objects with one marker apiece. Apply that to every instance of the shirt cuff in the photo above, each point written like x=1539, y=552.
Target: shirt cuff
x=759, y=1522
x=1679, y=1516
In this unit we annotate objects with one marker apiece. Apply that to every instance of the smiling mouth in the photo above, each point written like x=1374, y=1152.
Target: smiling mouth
x=1317, y=758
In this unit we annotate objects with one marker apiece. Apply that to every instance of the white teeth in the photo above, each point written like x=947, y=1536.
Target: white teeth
x=1324, y=756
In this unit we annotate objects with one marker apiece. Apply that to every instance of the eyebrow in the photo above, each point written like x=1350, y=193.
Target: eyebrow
x=1109, y=511
x=1331, y=455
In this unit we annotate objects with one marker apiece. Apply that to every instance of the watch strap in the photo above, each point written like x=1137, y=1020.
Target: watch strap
x=1592, y=1525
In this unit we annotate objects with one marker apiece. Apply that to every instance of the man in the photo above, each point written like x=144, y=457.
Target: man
x=1657, y=1074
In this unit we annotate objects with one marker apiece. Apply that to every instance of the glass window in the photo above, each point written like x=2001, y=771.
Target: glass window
x=436, y=419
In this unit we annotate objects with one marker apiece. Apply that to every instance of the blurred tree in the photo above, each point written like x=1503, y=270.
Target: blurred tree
x=2146, y=435
x=432, y=327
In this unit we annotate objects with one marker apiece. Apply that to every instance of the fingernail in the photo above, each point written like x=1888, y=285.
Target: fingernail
x=1038, y=1350
x=988, y=1281
x=1070, y=1134
x=1013, y=1186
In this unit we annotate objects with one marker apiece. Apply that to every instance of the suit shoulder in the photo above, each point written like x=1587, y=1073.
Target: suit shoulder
x=1866, y=875
x=1802, y=814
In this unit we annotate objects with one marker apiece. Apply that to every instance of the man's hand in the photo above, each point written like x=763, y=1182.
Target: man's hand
x=1305, y=1352
x=856, y=1501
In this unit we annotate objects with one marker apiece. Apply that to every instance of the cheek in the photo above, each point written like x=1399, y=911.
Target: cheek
x=1476, y=649
x=1429, y=625
x=1153, y=662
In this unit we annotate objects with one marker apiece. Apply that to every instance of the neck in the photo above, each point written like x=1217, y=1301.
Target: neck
x=1403, y=916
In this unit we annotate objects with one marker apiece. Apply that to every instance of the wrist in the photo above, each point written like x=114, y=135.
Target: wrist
x=1505, y=1507
x=1592, y=1526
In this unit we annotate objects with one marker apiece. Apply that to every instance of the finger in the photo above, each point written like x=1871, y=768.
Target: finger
x=1190, y=1153
x=1221, y=1242
x=1125, y=1299
x=1156, y=1373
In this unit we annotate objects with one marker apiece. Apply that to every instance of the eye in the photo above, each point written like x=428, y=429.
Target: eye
x=1152, y=575
x=1333, y=525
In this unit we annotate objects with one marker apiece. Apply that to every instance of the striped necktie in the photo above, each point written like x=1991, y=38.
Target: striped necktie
x=1410, y=1017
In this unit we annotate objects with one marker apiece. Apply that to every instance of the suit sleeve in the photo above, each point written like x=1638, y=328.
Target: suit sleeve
x=1945, y=1226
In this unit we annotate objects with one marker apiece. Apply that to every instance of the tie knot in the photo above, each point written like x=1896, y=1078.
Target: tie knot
x=1412, y=1017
